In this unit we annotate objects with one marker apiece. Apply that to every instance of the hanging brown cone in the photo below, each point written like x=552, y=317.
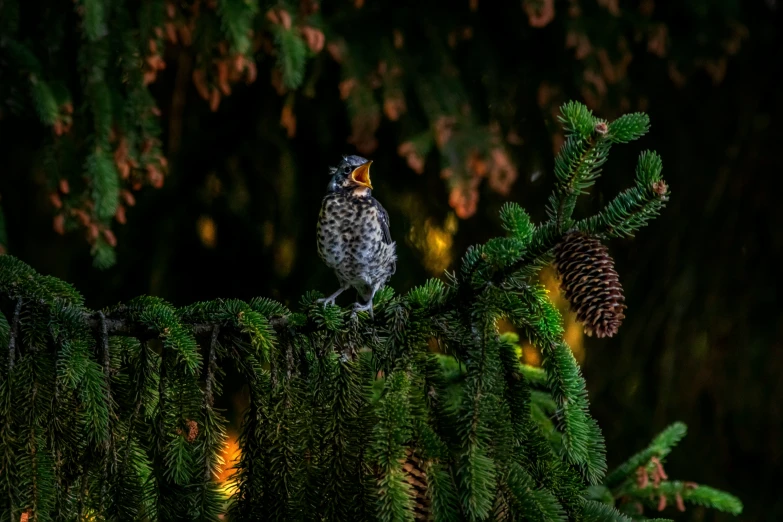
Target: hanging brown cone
x=413, y=467
x=590, y=283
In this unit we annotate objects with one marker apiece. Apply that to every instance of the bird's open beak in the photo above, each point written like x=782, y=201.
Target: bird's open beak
x=361, y=175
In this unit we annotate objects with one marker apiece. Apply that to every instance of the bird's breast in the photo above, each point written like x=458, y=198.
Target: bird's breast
x=349, y=233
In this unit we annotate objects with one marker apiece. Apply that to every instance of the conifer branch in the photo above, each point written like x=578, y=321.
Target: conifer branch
x=14, y=331
x=136, y=407
x=209, y=398
x=128, y=327
x=211, y=361
x=337, y=401
x=109, y=443
x=659, y=448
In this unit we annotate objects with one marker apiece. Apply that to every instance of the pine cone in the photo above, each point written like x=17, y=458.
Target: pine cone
x=417, y=478
x=591, y=284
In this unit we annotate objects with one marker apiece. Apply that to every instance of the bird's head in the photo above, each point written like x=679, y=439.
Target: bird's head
x=351, y=175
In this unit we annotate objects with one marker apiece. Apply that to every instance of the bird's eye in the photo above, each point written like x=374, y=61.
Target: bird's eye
x=347, y=169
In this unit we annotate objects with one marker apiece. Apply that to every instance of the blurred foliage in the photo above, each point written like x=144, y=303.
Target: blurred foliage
x=456, y=105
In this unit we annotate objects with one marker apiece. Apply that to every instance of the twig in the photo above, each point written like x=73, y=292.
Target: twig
x=125, y=327
x=209, y=399
x=161, y=402
x=137, y=407
x=13, y=334
x=110, y=453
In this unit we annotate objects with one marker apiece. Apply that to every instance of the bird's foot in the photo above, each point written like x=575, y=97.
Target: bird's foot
x=330, y=300
x=367, y=307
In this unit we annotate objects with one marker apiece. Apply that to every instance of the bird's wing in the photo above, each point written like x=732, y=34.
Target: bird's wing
x=383, y=217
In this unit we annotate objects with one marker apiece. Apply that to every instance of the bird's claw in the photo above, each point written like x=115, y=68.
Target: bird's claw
x=325, y=301
x=330, y=299
x=358, y=307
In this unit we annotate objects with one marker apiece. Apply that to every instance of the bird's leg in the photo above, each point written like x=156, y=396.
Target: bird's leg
x=368, y=306
x=331, y=298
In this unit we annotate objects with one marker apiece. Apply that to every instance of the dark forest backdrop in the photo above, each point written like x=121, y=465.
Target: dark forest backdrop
x=455, y=104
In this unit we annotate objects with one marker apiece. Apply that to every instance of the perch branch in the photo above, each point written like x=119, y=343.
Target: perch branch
x=125, y=327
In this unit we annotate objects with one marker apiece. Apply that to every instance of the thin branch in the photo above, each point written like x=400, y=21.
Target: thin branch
x=139, y=398
x=209, y=398
x=13, y=334
x=125, y=327
x=570, y=191
x=104, y=345
x=161, y=403
x=110, y=453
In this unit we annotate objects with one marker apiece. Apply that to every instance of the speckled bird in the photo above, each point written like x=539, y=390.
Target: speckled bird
x=353, y=233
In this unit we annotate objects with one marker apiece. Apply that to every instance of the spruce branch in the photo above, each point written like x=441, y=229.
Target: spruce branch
x=110, y=454
x=660, y=447
x=535, y=504
x=236, y=17
x=214, y=430
x=635, y=207
x=677, y=493
x=350, y=417
x=13, y=333
x=43, y=101
x=292, y=55
x=577, y=120
x=629, y=127
x=390, y=435
x=104, y=348
x=209, y=399
x=579, y=162
x=597, y=512
x=94, y=19
x=643, y=481
x=586, y=149
x=476, y=471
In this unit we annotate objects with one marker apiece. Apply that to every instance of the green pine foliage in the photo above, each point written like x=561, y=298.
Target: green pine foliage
x=236, y=18
x=390, y=434
x=111, y=414
x=635, y=207
x=292, y=56
x=390, y=70
x=43, y=101
x=105, y=185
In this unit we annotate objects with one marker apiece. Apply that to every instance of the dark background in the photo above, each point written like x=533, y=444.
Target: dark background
x=704, y=328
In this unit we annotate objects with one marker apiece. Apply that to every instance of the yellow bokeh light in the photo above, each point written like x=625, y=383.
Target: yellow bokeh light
x=230, y=455
x=505, y=326
x=434, y=242
x=531, y=355
x=284, y=256
x=573, y=331
x=574, y=336
x=207, y=231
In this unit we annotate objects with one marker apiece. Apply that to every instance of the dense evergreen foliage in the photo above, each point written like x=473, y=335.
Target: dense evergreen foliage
x=110, y=414
x=99, y=77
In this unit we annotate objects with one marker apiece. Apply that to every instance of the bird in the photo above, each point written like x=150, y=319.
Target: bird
x=354, y=238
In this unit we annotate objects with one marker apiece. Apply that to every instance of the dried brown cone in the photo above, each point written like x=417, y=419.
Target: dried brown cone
x=590, y=283
x=416, y=477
